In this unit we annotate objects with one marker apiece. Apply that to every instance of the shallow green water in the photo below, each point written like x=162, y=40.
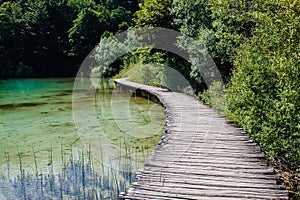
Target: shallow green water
x=36, y=114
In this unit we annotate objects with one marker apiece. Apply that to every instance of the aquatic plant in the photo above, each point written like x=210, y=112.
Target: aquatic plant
x=78, y=179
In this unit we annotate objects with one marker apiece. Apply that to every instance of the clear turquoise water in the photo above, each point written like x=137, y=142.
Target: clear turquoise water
x=36, y=115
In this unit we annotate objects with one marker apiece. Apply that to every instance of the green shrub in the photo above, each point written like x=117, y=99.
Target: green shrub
x=149, y=74
x=263, y=95
x=215, y=97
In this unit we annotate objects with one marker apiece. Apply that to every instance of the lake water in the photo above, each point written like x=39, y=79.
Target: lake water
x=36, y=121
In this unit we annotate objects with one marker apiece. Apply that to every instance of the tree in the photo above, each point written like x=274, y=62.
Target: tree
x=154, y=13
x=46, y=45
x=221, y=25
x=54, y=36
x=231, y=25
x=11, y=31
x=120, y=19
x=190, y=16
x=129, y=5
x=87, y=29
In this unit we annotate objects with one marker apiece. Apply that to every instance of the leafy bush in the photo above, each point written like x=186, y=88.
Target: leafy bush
x=149, y=74
x=263, y=95
x=215, y=97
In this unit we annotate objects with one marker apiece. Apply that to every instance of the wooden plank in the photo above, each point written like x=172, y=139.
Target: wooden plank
x=216, y=173
x=188, y=193
x=182, y=177
x=216, y=163
x=193, y=189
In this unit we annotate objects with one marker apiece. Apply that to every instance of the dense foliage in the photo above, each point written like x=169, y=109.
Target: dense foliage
x=51, y=38
x=263, y=95
x=154, y=13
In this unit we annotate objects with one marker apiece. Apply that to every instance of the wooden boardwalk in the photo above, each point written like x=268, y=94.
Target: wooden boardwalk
x=200, y=156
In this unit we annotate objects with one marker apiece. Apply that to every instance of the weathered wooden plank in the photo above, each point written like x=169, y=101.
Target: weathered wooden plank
x=201, y=156
x=193, y=189
x=188, y=193
x=214, y=163
x=182, y=164
x=182, y=177
x=216, y=173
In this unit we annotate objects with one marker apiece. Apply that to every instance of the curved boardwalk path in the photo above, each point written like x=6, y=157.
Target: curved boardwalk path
x=200, y=155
